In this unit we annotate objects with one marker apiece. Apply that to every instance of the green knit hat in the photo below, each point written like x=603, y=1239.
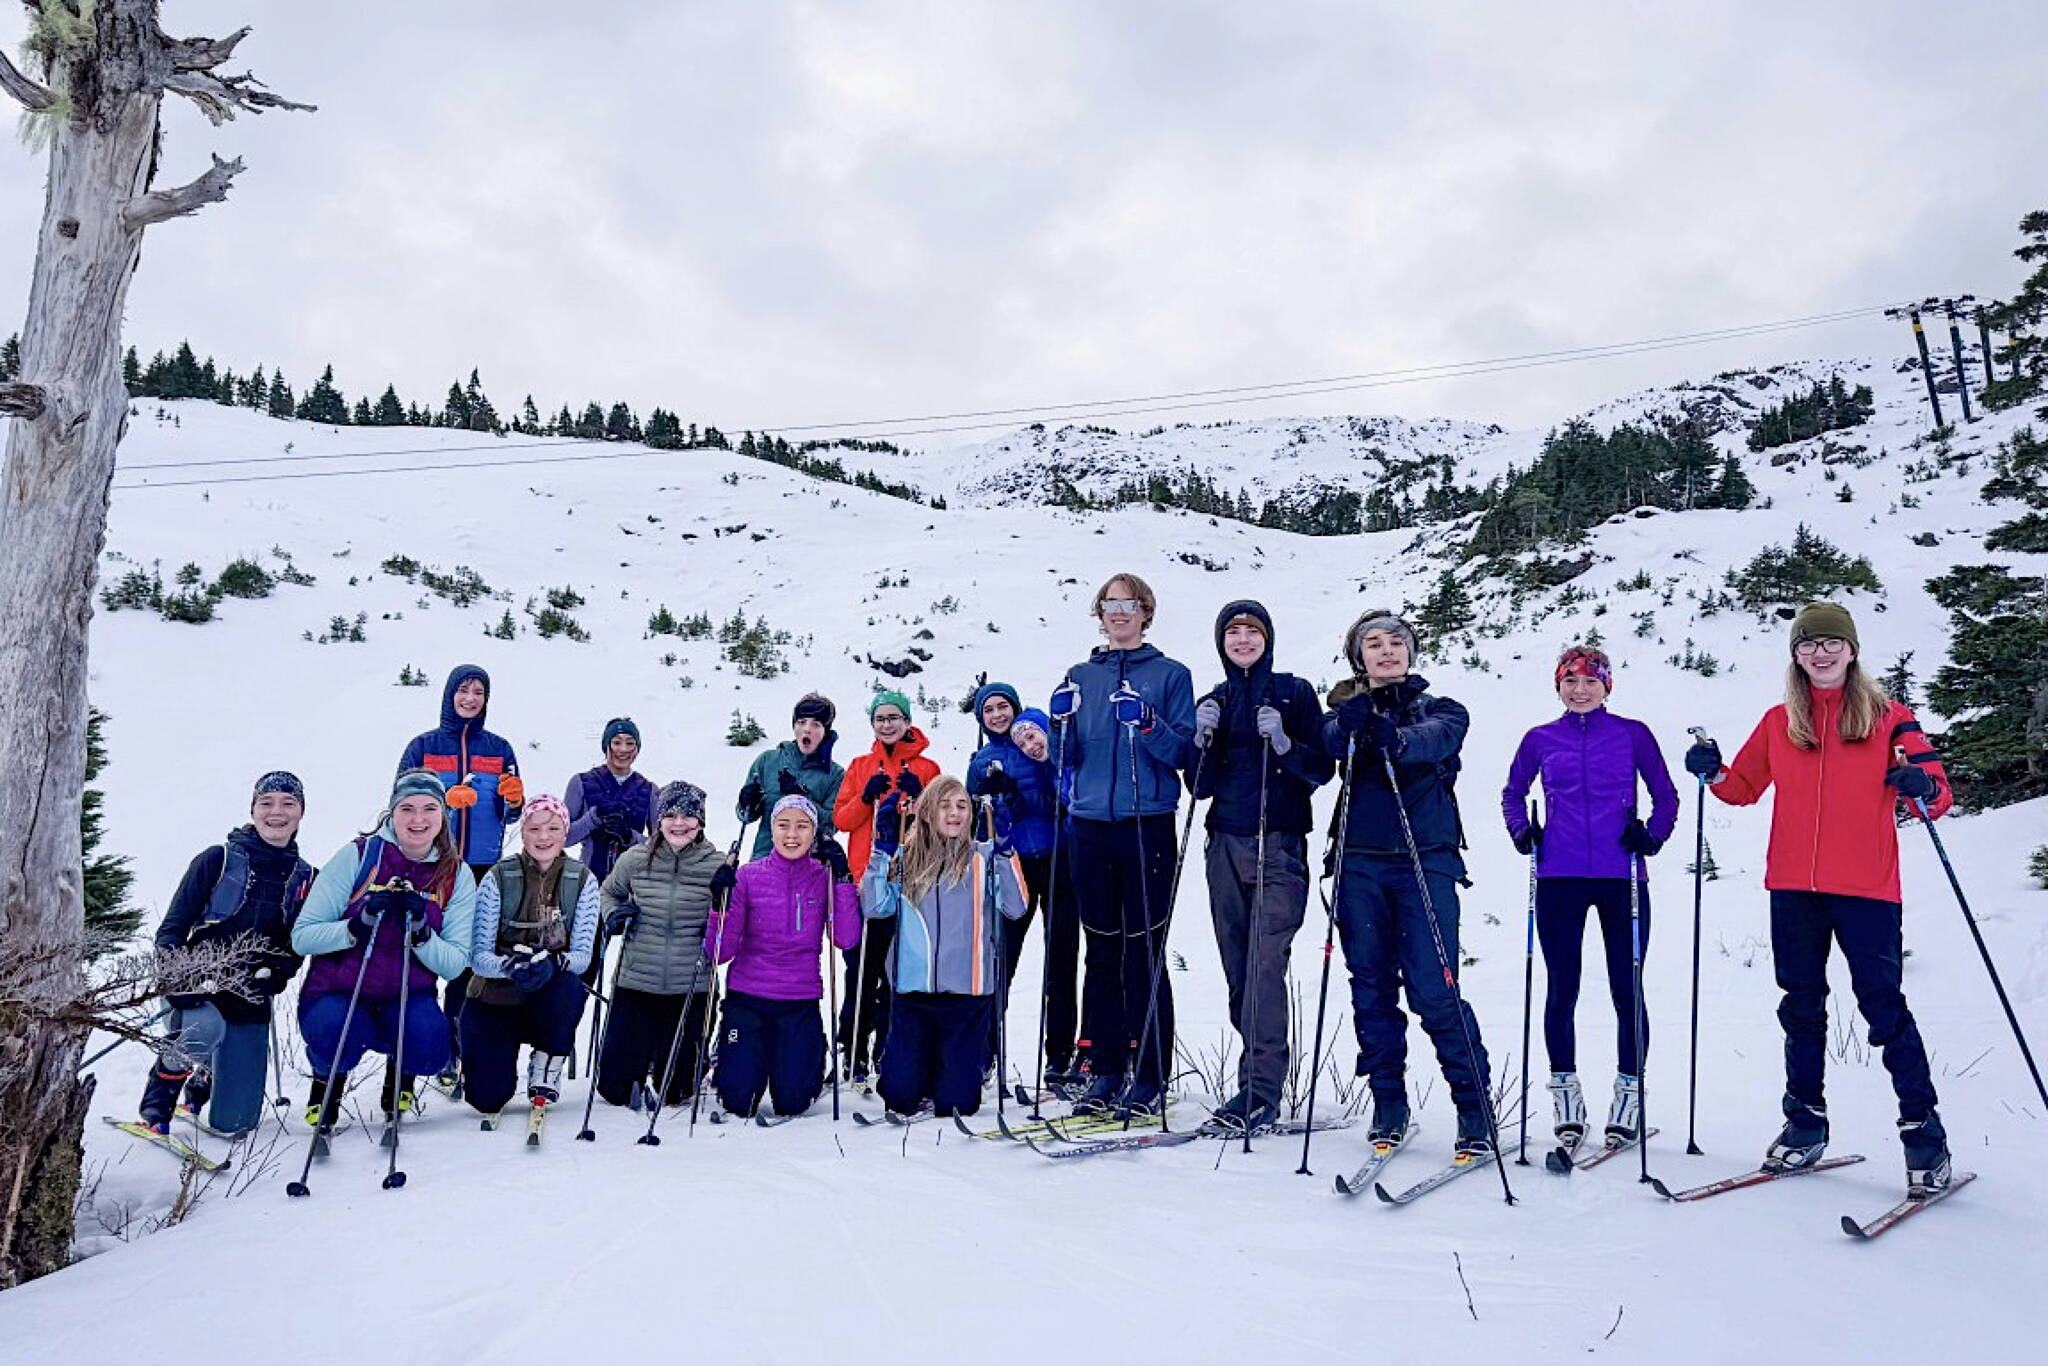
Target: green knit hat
x=891, y=698
x=1825, y=621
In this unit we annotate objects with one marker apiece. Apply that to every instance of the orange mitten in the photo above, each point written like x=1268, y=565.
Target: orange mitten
x=461, y=797
x=512, y=790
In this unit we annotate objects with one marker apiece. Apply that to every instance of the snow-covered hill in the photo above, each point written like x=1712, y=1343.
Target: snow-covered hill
x=812, y=1241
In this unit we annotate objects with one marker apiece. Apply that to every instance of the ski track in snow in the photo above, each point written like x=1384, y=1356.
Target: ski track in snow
x=812, y=1242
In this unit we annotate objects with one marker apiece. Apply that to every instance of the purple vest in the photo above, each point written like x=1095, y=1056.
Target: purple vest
x=334, y=972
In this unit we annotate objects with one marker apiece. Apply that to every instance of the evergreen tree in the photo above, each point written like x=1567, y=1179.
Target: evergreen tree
x=109, y=920
x=255, y=393
x=323, y=402
x=590, y=427
x=2024, y=319
x=663, y=431
x=131, y=371
x=388, y=412
x=1897, y=681
x=1735, y=490
x=10, y=358
x=361, y=416
x=564, y=423
x=224, y=392
x=529, y=417
x=185, y=379
x=1996, y=679
x=620, y=425
x=281, y=404
x=455, y=412
x=1447, y=611
x=482, y=416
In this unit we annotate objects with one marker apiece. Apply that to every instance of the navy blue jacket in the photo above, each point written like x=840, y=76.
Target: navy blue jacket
x=1432, y=734
x=264, y=906
x=1098, y=750
x=460, y=750
x=1229, y=770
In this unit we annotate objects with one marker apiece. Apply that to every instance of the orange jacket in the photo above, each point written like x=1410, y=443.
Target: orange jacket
x=853, y=817
x=1833, y=826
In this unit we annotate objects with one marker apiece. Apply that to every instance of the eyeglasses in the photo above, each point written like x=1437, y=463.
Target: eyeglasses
x=883, y=718
x=1823, y=645
x=1120, y=607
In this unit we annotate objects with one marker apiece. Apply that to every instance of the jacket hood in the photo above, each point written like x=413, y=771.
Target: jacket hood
x=1262, y=668
x=821, y=757
x=1111, y=657
x=458, y=676
x=913, y=743
x=983, y=693
x=260, y=850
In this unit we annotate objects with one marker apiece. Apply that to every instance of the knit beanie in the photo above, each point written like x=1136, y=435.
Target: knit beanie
x=1034, y=719
x=888, y=697
x=1587, y=662
x=1825, y=621
x=417, y=782
x=544, y=805
x=817, y=707
x=679, y=799
x=278, y=780
x=1377, y=619
x=794, y=802
x=614, y=728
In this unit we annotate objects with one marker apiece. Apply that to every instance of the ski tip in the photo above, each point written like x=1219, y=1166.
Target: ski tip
x=1344, y=1187
x=533, y=1140
x=961, y=1125
x=1854, y=1229
x=1556, y=1161
x=1382, y=1193
x=1657, y=1185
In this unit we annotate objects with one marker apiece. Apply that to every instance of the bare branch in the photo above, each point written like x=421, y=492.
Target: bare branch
x=202, y=54
x=25, y=401
x=32, y=96
x=220, y=97
x=158, y=205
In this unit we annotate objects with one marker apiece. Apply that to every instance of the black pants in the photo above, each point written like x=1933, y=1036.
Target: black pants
x=938, y=1044
x=864, y=991
x=1056, y=995
x=771, y=1048
x=639, y=1031
x=1804, y=926
x=492, y=1035
x=1123, y=873
x=1561, y=904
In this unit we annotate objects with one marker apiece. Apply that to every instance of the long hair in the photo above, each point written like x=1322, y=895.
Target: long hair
x=1863, y=705
x=930, y=859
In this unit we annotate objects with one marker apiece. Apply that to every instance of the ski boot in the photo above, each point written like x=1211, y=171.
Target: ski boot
x=1625, y=1115
x=159, y=1097
x=543, y=1077
x=1475, y=1132
x=1928, y=1168
x=323, y=1105
x=1802, y=1141
x=1568, y=1106
x=1143, y=1100
x=1245, y=1112
x=398, y=1096
x=1389, y=1117
x=1102, y=1095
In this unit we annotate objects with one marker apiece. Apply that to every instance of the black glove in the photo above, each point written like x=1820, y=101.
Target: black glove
x=877, y=785
x=622, y=919
x=416, y=927
x=1913, y=781
x=271, y=978
x=1353, y=712
x=530, y=969
x=614, y=830
x=1530, y=838
x=750, y=803
x=1379, y=735
x=723, y=879
x=1637, y=839
x=997, y=783
x=909, y=784
x=833, y=857
x=1703, y=760
x=788, y=786
x=363, y=917
x=888, y=825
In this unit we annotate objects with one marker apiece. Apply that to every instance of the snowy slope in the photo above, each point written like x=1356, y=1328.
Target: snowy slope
x=813, y=1241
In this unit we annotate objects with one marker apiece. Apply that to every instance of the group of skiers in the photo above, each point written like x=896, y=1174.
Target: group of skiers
x=430, y=946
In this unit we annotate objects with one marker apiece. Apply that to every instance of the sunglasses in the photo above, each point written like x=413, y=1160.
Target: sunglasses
x=1121, y=607
x=1824, y=645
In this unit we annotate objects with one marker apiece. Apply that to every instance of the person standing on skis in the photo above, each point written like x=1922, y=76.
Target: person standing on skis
x=610, y=807
x=1397, y=933
x=1589, y=846
x=799, y=766
x=1261, y=759
x=249, y=888
x=1125, y=718
x=1842, y=756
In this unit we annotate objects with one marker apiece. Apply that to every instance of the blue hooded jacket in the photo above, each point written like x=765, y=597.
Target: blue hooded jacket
x=1028, y=810
x=460, y=750
x=1099, y=752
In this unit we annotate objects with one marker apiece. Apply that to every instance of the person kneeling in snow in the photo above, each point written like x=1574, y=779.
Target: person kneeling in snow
x=536, y=921
x=948, y=894
x=780, y=913
x=402, y=899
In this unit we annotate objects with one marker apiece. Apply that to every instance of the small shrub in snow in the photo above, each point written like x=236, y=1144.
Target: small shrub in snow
x=409, y=677
x=1696, y=661
x=743, y=731
x=404, y=566
x=190, y=575
x=552, y=622
x=1811, y=568
x=191, y=605
x=244, y=578
x=506, y=629
x=135, y=590
x=2037, y=866
x=564, y=599
x=292, y=574
x=462, y=587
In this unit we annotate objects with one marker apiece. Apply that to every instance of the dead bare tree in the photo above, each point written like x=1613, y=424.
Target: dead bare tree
x=98, y=72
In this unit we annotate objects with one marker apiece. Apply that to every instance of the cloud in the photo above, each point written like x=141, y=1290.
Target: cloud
x=785, y=213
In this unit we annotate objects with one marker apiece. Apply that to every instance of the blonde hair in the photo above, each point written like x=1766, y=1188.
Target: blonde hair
x=929, y=858
x=1141, y=593
x=1863, y=705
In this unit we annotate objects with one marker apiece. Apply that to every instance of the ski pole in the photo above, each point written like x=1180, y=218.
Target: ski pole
x=1336, y=876
x=1443, y=958
x=598, y=1026
x=1052, y=892
x=858, y=999
x=1642, y=1020
x=1984, y=951
x=1699, y=877
x=832, y=991
x=1251, y=942
x=277, y=1061
x=675, y=1045
x=1528, y=993
x=299, y=1187
x=394, y=1178
x=991, y=896
x=123, y=1039
x=711, y=1006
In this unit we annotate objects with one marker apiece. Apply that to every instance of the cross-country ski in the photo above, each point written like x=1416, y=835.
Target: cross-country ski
x=1905, y=1209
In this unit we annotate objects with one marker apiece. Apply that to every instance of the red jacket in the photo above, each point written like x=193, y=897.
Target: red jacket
x=853, y=817
x=1833, y=825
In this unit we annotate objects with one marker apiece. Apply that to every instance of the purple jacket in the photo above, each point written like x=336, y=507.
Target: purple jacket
x=1589, y=765
x=773, y=929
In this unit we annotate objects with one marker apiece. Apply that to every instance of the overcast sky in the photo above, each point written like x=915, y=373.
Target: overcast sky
x=764, y=213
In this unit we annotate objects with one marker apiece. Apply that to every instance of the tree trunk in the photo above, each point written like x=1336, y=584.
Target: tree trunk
x=68, y=410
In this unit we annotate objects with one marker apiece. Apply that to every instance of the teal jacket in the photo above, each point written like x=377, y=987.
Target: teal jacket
x=815, y=773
